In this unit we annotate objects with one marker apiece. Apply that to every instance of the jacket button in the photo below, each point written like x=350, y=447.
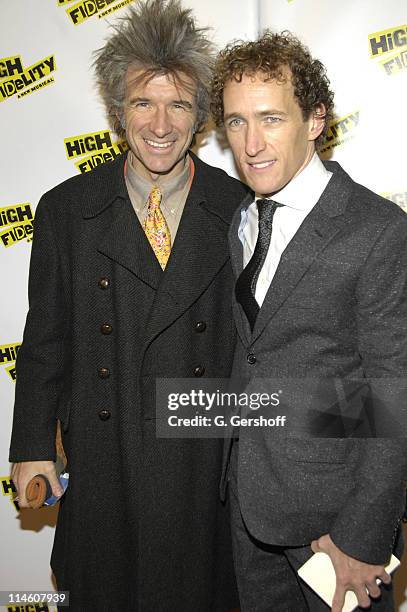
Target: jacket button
x=251, y=358
x=106, y=329
x=200, y=326
x=103, y=282
x=199, y=371
x=104, y=415
x=104, y=373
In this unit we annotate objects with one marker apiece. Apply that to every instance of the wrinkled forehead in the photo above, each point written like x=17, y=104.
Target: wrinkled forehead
x=140, y=76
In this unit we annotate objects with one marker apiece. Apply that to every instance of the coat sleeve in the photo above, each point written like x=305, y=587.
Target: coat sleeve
x=40, y=360
x=367, y=527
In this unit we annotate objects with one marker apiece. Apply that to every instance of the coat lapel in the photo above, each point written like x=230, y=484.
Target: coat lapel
x=323, y=222
x=200, y=248
x=198, y=253
x=126, y=243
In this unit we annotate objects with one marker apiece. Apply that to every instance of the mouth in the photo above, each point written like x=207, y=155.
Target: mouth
x=261, y=165
x=159, y=145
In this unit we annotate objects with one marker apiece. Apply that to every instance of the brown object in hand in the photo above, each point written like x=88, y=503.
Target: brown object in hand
x=37, y=491
x=39, y=488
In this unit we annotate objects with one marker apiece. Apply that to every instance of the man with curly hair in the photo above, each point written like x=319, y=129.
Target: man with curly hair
x=320, y=305
x=130, y=282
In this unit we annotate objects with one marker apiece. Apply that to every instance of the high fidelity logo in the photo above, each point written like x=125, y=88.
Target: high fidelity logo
x=93, y=149
x=8, y=489
x=340, y=131
x=15, y=80
x=390, y=47
x=399, y=198
x=83, y=10
x=18, y=219
x=8, y=356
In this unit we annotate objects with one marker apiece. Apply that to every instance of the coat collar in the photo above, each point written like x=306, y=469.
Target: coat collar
x=107, y=183
x=319, y=227
x=200, y=248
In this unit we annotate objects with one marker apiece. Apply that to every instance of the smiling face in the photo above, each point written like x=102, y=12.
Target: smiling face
x=266, y=130
x=160, y=116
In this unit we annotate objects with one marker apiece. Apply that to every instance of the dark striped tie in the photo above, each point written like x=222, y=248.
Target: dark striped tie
x=246, y=283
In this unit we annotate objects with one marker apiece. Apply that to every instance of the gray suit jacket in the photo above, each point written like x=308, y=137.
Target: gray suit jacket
x=336, y=311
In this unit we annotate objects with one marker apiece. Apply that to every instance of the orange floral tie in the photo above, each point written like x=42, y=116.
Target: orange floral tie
x=156, y=228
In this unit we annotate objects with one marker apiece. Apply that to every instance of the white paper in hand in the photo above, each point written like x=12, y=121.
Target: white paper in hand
x=318, y=572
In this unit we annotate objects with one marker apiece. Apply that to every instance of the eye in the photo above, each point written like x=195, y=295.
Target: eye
x=234, y=123
x=272, y=119
x=139, y=104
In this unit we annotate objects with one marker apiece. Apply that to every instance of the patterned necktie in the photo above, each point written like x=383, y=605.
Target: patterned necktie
x=245, y=289
x=156, y=228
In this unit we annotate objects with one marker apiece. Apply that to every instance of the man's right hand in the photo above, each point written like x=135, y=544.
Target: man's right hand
x=22, y=473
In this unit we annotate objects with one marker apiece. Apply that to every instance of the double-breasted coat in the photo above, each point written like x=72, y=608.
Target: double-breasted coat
x=141, y=526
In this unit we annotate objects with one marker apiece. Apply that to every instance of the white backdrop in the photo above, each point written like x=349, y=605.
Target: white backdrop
x=47, y=97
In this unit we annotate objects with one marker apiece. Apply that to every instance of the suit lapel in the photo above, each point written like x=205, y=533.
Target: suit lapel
x=319, y=227
x=312, y=238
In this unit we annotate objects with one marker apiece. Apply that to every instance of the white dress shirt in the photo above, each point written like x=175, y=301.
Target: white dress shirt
x=299, y=197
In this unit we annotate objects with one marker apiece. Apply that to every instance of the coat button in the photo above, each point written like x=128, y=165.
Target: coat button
x=104, y=372
x=251, y=358
x=199, y=371
x=200, y=326
x=103, y=282
x=104, y=415
x=106, y=329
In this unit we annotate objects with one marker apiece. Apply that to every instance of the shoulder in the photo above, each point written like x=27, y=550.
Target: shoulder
x=367, y=205
x=219, y=189
x=79, y=189
x=218, y=178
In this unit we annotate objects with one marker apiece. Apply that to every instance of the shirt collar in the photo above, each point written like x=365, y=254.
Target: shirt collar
x=142, y=187
x=304, y=190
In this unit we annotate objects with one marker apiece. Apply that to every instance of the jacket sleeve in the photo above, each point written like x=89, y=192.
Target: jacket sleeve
x=367, y=527
x=40, y=360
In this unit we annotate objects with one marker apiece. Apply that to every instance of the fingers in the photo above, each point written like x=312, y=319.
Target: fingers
x=338, y=599
x=57, y=490
x=373, y=589
x=19, y=483
x=315, y=547
x=363, y=598
x=384, y=576
x=22, y=473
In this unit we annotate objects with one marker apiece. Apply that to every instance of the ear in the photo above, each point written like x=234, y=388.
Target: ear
x=317, y=121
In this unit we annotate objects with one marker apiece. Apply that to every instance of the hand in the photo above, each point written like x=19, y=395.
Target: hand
x=22, y=473
x=351, y=574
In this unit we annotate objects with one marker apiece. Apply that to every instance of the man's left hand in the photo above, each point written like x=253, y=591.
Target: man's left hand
x=351, y=574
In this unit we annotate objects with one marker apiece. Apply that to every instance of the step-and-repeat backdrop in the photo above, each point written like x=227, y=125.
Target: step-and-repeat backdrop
x=53, y=126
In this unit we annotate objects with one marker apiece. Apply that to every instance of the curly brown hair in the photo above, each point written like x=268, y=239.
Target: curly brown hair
x=272, y=54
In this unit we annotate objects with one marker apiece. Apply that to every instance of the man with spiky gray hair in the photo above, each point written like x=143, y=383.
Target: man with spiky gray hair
x=130, y=282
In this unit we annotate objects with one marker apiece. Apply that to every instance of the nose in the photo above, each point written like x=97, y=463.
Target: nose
x=160, y=123
x=254, y=141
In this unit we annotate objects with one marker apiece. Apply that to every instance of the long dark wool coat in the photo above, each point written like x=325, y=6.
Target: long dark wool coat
x=141, y=527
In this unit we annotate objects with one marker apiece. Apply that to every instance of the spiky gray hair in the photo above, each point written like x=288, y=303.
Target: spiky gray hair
x=160, y=37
